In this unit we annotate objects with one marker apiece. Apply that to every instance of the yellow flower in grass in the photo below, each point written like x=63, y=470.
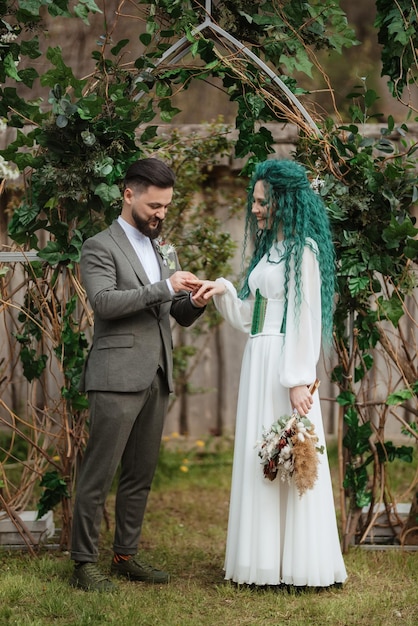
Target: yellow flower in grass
x=200, y=443
x=184, y=466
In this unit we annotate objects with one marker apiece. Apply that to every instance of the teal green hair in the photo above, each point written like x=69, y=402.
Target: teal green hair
x=301, y=214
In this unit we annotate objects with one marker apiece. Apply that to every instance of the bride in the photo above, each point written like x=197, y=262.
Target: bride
x=285, y=306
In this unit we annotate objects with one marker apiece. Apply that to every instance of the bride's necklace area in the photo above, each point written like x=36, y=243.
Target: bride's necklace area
x=279, y=249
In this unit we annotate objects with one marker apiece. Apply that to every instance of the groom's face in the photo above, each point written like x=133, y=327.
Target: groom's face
x=145, y=209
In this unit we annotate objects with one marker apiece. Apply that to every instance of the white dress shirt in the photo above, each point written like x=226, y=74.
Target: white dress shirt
x=145, y=251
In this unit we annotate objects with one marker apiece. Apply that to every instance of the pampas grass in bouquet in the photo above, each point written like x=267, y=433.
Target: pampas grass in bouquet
x=290, y=449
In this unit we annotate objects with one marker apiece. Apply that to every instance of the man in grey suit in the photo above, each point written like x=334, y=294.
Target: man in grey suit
x=133, y=284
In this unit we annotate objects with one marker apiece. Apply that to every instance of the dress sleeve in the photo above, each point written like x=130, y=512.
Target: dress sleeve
x=302, y=341
x=238, y=313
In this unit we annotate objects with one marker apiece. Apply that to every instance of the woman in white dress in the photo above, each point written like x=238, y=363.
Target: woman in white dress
x=275, y=536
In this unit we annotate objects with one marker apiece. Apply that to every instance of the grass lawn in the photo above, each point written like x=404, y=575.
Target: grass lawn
x=184, y=532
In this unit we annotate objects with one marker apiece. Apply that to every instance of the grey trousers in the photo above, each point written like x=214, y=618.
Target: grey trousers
x=125, y=429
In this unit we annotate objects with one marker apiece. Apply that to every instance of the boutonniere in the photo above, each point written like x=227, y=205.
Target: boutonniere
x=167, y=253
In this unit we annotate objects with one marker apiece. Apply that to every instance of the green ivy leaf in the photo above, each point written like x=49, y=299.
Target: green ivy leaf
x=163, y=89
x=10, y=68
x=356, y=439
x=28, y=76
x=346, y=398
x=358, y=284
x=33, y=365
x=167, y=111
x=256, y=104
x=411, y=249
x=61, y=74
x=388, y=452
x=24, y=224
x=356, y=479
x=391, y=309
x=62, y=250
x=54, y=490
x=121, y=44
x=145, y=39
x=149, y=133
x=370, y=97
x=399, y=397
x=365, y=365
x=30, y=48
x=107, y=193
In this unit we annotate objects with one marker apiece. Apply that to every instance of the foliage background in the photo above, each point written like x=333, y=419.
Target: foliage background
x=79, y=145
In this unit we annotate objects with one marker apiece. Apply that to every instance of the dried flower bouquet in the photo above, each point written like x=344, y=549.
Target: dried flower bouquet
x=290, y=448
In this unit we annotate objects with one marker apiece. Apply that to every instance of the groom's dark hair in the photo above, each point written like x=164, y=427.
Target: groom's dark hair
x=146, y=172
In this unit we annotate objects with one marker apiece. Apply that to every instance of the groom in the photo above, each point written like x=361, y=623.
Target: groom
x=133, y=289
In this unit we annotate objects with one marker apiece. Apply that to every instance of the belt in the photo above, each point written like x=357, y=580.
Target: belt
x=267, y=316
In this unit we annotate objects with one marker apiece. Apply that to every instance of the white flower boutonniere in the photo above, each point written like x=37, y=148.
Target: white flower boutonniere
x=167, y=253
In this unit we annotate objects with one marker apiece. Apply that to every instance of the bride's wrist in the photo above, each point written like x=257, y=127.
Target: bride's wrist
x=220, y=283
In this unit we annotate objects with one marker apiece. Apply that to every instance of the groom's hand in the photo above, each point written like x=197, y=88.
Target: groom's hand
x=184, y=281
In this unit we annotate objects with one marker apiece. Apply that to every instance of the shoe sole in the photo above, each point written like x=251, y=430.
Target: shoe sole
x=155, y=581
x=77, y=585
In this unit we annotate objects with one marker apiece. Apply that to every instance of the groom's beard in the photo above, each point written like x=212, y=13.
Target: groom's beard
x=150, y=228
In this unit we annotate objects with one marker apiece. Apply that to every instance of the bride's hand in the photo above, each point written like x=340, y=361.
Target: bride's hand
x=301, y=399
x=208, y=289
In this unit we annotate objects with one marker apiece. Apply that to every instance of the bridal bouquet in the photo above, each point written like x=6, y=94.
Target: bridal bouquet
x=289, y=448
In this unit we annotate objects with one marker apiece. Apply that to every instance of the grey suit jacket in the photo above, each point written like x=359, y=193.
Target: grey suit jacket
x=131, y=316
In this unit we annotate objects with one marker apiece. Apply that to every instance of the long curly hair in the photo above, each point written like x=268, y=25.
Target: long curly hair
x=300, y=213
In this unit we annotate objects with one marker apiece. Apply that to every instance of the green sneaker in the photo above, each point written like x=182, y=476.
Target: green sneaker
x=88, y=577
x=132, y=569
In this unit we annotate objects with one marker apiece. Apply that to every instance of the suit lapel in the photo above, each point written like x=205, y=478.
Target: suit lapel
x=124, y=244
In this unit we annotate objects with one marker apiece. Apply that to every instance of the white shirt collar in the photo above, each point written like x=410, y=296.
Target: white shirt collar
x=133, y=232
x=144, y=250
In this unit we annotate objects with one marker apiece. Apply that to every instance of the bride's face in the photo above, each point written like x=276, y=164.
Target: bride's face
x=260, y=209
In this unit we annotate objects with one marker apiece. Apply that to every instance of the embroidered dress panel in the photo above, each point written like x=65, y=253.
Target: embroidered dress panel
x=267, y=317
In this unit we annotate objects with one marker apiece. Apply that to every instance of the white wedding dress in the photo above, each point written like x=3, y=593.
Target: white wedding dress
x=274, y=536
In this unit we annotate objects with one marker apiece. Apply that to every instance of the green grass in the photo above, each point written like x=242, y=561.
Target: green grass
x=184, y=531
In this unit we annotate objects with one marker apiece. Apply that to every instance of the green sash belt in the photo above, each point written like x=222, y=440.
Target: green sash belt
x=259, y=313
